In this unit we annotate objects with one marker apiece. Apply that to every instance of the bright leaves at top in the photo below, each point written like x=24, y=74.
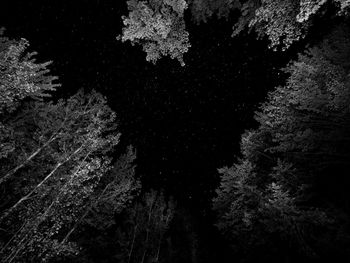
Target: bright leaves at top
x=159, y=27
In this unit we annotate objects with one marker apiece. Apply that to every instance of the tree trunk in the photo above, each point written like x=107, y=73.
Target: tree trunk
x=14, y=170
x=132, y=244
x=147, y=233
x=23, y=241
x=40, y=184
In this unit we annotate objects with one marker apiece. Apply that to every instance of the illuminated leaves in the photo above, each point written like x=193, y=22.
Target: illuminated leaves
x=308, y=8
x=277, y=20
x=77, y=134
x=302, y=137
x=283, y=22
x=159, y=27
x=310, y=110
x=20, y=75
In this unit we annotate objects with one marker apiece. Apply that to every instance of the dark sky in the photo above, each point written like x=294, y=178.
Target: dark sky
x=185, y=122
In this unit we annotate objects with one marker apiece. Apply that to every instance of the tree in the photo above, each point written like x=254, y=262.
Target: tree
x=117, y=190
x=283, y=22
x=144, y=228
x=287, y=196
x=52, y=190
x=157, y=25
x=20, y=77
x=112, y=196
x=56, y=163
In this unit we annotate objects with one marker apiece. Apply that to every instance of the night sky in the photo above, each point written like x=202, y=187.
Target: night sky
x=185, y=122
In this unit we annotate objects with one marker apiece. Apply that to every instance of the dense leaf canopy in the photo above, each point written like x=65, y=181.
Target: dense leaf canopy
x=282, y=186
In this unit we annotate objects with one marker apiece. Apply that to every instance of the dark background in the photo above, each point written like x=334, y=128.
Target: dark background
x=185, y=122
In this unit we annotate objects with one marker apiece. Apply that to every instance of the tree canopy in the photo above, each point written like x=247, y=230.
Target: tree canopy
x=69, y=193
x=159, y=25
x=285, y=188
x=55, y=159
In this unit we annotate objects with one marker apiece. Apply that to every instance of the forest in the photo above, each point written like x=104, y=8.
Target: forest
x=180, y=131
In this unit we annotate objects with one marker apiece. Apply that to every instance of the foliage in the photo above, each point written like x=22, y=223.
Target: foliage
x=201, y=10
x=115, y=193
x=283, y=22
x=284, y=199
x=157, y=25
x=344, y=6
x=135, y=235
x=149, y=220
x=55, y=166
x=20, y=75
x=70, y=140
x=277, y=20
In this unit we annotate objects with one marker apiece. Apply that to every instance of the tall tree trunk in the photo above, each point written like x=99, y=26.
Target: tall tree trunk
x=161, y=236
x=58, y=165
x=84, y=215
x=14, y=170
x=147, y=233
x=132, y=243
x=53, y=137
x=11, y=239
x=158, y=249
x=23, y=241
